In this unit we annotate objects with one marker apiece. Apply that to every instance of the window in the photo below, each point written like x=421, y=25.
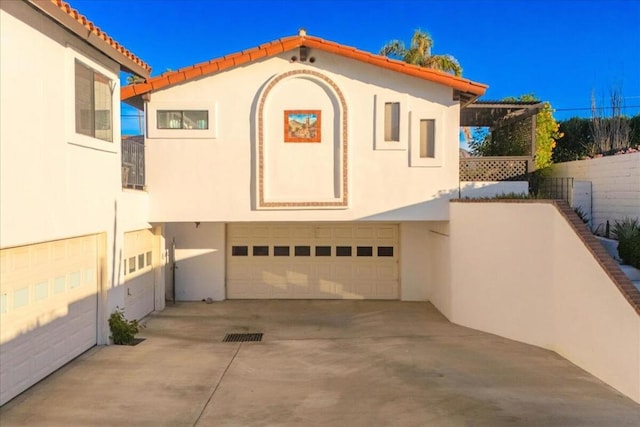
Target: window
x=94, y=103
x=343, y=250
x=132, y=264
x=364, y=251
x=261, y=251
x=392, y=121
x=239, y=250
x=303, y=251
x=385, y=250
x=427, y=139
x=148, y=258
x=140, y=261
x=281, y=251
x=184, y=119
x=323, y=250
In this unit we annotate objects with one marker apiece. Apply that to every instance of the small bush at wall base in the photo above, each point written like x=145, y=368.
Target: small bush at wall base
x=627, y=232
x=123, y=331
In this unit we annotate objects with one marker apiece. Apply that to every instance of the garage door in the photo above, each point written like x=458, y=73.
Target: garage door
x=318, y=261
x=139, y=253
x=48, y=309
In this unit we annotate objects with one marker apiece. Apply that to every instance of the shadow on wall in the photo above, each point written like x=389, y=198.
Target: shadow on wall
x=423, y=211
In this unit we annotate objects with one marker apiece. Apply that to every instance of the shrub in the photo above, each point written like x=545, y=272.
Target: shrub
x=627, y=232
x=123, y=331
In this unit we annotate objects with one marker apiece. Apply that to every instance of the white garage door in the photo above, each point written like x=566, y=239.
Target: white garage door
x=139, y=253
x=319, y=261
x=48, y=309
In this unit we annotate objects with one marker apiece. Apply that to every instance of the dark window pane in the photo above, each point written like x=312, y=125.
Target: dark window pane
x=261, y=251
x=239, y=250
x=84, y=100
x=280, y=251
x=343, y=250
x=364, y=251
x=323, y=250
x=303, y=250
x=385, y=250
x=195, y=120
x=93, y=103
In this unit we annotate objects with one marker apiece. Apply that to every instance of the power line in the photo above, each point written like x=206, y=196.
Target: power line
x=597, y=108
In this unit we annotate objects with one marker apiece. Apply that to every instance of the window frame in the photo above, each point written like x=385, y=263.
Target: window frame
x=153, y=108
x=93, y=128
x=381, y=100
x=109, y=70
x=182, y=119
x=415, y=158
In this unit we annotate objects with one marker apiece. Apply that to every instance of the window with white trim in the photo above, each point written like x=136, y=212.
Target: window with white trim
x=93, y=103
x=182, y=119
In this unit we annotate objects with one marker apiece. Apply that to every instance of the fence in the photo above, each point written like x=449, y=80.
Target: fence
x=503, y=168
x=133, y=163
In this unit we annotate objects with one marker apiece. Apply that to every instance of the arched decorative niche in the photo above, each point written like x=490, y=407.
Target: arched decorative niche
x=306, y=168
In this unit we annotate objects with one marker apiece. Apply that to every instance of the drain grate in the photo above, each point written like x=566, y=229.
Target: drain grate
x=243, y=337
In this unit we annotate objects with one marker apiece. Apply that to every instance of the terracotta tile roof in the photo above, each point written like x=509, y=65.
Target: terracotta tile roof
x=79, y=24
x=289, y=43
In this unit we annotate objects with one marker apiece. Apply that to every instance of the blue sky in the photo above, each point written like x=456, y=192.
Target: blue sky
x=561, y=50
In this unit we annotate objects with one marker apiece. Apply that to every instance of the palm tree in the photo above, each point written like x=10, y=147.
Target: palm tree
x=420, y=54
x=133, y=79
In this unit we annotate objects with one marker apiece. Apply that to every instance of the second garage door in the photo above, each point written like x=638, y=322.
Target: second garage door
x=312, y=261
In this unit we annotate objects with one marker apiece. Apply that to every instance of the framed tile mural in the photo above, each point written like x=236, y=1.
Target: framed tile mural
x=302, y=126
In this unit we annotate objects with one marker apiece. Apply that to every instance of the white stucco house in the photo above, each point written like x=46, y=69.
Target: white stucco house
x=298, y=169
x=66, y=225
x=318, y=167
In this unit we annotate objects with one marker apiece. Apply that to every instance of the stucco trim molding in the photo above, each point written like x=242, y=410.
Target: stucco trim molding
x=325, y=81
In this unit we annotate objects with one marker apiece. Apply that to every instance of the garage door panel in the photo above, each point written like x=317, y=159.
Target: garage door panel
x=140, y=251
x=313, y=272
x=49, y=314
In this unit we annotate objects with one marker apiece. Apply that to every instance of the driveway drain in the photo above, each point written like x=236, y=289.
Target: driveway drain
x=242, y=337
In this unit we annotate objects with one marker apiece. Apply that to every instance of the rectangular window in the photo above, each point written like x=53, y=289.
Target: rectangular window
x=140, y=261
x=343, y=250
x=261, y=251
x=281, y=251
x=323, y=250
x=132, y=264
x=183, y=119
x=392, y=121
x=427, y=138
x=148, y=258
x=239, y=250
x=385, y=250
x=303, y=251
x=364, y=251
x=93, y=103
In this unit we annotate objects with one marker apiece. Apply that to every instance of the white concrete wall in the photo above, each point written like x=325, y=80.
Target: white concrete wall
x=200, y=258
x=213, y=179
x=477, y=189
x=414, y=265
x=518, y=270
x=615, y=185
x=55, y=183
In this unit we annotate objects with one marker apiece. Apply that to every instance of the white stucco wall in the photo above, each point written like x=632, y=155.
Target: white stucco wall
x=518, y=270
x=219, y=173
x=477, y=189
x=414, y=265
x=615, y=185
x=200, y=258
x=57, y=184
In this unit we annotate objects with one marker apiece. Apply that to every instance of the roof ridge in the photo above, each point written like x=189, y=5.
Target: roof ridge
x=286, y=43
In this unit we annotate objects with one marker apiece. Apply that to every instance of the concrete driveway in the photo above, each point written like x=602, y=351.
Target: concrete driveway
x=342, y=363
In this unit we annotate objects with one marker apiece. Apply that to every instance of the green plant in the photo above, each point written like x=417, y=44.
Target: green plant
x=627, y=232
x=582, y=214
x=123, y=331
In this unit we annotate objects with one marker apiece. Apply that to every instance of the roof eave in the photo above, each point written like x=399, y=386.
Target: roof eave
x=63, y=18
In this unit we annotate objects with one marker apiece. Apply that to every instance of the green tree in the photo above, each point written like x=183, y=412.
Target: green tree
x=576, y=137
x=420, y=54
x=515, y=139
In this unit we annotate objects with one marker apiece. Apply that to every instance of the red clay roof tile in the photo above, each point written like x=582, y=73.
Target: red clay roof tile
x=289, y=43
